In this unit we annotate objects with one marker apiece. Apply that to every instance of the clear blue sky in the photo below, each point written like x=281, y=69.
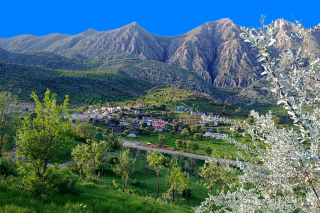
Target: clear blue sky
x=165, y=17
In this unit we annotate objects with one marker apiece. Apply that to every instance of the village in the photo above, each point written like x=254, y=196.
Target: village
x=142, y=120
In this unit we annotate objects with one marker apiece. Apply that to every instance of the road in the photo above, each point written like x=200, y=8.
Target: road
x=203, y=157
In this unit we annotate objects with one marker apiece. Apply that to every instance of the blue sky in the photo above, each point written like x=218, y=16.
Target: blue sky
x=165, y=17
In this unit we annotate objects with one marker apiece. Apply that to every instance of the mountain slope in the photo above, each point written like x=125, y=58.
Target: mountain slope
x=208, y=57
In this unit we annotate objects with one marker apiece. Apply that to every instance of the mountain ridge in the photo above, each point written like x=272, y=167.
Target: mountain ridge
x=213, y=51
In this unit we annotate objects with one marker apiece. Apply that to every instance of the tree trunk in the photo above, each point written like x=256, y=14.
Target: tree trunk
x=178, y=198
x=173, y=194
x=158, y=186
x=187, y=195
x=45, y=165
x=211, y=190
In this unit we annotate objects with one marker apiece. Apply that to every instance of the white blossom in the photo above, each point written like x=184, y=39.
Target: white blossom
x=288, y=176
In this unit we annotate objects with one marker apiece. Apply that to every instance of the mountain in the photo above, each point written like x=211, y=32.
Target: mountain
x=210, y=58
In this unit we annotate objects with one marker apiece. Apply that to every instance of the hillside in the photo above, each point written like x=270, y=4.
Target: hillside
x=211, y=58
x=80, y=86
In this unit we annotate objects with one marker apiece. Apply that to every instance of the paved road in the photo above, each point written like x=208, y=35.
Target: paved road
x=203, y=157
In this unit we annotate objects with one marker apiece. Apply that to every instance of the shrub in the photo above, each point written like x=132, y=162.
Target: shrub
x=7, y=167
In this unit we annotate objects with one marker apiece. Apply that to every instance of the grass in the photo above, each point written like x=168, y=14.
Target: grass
x=221, y=148
x=96, y=198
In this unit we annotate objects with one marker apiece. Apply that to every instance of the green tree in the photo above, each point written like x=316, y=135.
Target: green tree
x=155, y=131
x=166, y=126
x=8, y=117
x=185, y=133
x=144, y=124
x=208, y=150
x=155, y=160
x=198, y=136
x=90, y=120
x=89, y=157
x=43, y=140
x=176, y=126
x=162, y=139
x=193, y=130
x=194, y=147
x=178, y=143
x=125, y=166
x=84, y=130
x=214, y=172
x=163, y=107
x=176, y=179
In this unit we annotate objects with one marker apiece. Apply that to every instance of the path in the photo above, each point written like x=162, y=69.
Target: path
x=190, y=155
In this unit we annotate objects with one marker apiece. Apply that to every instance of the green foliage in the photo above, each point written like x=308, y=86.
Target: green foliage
x=125, y=166
x=185, y=132
x=213, y=172
x=92, y=86
x=249, y=120
x=155, y=160
x=84, y=131
x=162, y=139
x=208, y=150
x=198, y=136
x=89, y=157
x=7, y=167
x=8, y=117
x=90, y=120
x=144, y=124
x=43, y=139
x=176, y=126
x=178, y=143
x=54, y=181
x=113, y=142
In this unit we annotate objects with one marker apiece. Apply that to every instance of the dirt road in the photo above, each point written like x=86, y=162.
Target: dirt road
x=203, y=157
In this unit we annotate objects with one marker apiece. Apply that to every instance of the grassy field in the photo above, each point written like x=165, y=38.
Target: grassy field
x=95, y=198
x=221, y=148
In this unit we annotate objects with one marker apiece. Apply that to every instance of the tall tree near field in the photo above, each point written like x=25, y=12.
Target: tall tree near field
x=88, y=157
x=8, y=117
x=43, y=139
x=125, y=167
x=155, y=160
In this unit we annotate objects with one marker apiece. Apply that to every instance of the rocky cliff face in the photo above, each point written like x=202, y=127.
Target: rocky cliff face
x=214, y=50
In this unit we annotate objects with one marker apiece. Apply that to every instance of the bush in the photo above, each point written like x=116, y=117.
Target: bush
x=55, y=181
x=7, y=167
x=136, y=182
x=113, y=160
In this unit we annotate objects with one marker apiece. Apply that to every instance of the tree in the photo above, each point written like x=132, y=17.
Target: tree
x=185, y=132
x=8, y=117
x=125, y=167
x=213, y=172
x=178, y=143
x=155, y=160
x=43, y=139
x=176, y=126
x=194, y=147
x=88, y=157
x=198, y=136
x=208, y=150
x=166, y=126
x=163, y=107
x=288, y=179
x=144, y=124
x=162, y=139
x=90, y=120
x=155, y=131
x=84, y=130
x=175, y=178
x=193, y=130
